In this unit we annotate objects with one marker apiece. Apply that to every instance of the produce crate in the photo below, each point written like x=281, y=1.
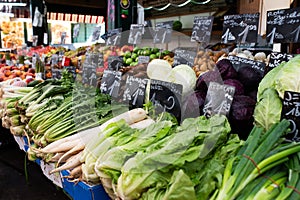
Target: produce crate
x=83, y=191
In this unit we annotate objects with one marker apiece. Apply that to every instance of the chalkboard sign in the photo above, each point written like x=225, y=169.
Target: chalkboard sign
x=218, y=99
x=136, y=32
x=283, y=26
x=100, y=60
x=184, y=56
x=115, y=62
x=143, y=59
x=89, y=75
x=114, y=37
x=166, y=97
x=163, y=32
x=56, y=73
x=277, y=58
x=239, y=62
x=240, y=28
x=110, y=83
x=135, y=91
x=290, y=111
x=96, y=33
x=202, y=29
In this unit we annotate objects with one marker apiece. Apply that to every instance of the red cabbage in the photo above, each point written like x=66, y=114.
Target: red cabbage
x=204, y=80
x=249, y=77
x=239, y=88
x=241, y=115
x=226, y=69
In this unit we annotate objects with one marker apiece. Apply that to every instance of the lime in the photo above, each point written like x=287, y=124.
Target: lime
x=128, y=61
x=158, y=54
x=152, y=56
x=124, y=59
x=137, y=59
x=134, y=56
x=146, y=52
x=136, y=49
x=155, y=50
x=127, y=54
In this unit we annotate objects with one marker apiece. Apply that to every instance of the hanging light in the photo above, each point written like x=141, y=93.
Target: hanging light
x=179, y=5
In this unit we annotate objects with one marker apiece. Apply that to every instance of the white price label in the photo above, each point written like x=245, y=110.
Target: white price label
x=55, y=177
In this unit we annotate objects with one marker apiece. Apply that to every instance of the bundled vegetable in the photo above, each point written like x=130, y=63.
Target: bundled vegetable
x=262, y=153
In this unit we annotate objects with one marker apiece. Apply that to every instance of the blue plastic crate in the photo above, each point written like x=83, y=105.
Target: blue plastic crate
x=83, y=191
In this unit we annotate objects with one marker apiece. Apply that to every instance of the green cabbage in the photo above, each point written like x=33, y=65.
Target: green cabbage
x=268, y=109
x=284, y=77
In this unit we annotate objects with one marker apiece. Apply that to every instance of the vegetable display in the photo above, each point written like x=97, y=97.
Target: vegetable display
x=136, y=153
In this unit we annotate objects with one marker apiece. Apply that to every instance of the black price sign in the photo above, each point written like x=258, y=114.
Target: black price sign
x=239, y=62
x=163, y=32
x=202, y=29
x=136, y=32
x=277, y=58
x=115, y=62
x=56, y=73
x=89, y=75
x=218, y=99
x=114, y=37
x=166, y=97
x=290, y=111
x=100, y=60
x=283, y=26
x=96, y=33
x=143, y=59
x=184, y=56
x=135, y=91
x=240, y=28
x=110, y=83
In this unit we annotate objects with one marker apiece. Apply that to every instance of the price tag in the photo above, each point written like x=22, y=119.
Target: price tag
x=240, y=28
x=115, y=62
x=163, y=32
x=277, y=58
x=76, y=30
x=143, y=59
x=56, y=73
x=110, y=83
x=239, y=62
x=135, y=91
x=136, y=32
x=291, y=112
x=20, y=141
x=89, y=75
x=283, y=26
x=100, y=60
x=184, y=56
x=114, y=37
x=96, y=33
x=55, y=178
x=166, y=97
x=218, y=99
x=202, y=29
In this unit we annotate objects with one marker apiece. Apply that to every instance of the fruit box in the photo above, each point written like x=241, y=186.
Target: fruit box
x=83, y=191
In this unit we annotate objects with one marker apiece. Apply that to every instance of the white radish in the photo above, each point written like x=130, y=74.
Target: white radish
x=142, y=124
x=61, y=147
x=56, y=157
x=79, y=147
x=71, y=163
